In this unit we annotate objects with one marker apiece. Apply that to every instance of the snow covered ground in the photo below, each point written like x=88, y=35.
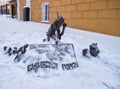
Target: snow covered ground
x=102, y=72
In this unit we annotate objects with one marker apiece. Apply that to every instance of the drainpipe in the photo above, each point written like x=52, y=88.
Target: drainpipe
x=6, y=8
x=0, y=7
x=18, y=9
x=1, y=11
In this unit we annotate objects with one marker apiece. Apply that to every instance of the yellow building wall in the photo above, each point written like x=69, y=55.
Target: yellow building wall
x=22, y=4
x=36, y=10
x=101, y=16
x=13, y=3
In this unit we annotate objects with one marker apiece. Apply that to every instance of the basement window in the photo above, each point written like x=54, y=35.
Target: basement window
x=45, y=12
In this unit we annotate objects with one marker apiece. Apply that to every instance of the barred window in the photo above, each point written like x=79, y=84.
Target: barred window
x=45, y=12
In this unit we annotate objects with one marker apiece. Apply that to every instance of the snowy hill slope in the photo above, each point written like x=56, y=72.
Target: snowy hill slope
x=102, y=72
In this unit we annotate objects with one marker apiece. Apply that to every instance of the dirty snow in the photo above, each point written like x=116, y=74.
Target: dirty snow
x=102, y=72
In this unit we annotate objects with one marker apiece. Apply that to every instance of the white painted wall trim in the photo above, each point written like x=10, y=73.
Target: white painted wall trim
x=43, y=12
x=18, y=9
x=28, y=3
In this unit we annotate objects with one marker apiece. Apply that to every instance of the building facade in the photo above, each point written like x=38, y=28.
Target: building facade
x=4, y=7
x=3, y=2
x=101, y=16
x=13, y=8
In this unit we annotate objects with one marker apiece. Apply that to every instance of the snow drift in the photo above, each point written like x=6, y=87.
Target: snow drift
x=102, y=72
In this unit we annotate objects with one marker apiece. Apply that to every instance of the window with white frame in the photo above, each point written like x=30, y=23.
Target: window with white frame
x=45, y=12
